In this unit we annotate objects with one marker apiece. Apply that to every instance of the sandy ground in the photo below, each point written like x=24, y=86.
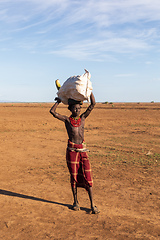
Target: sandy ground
x=35, y=194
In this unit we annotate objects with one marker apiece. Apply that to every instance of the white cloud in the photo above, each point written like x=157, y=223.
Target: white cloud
x=102, y=12
x=106, y=13
x=148, y=63
x=99, y=50
x=82, y=29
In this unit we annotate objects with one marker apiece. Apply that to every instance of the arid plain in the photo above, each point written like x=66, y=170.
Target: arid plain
x=35, y=194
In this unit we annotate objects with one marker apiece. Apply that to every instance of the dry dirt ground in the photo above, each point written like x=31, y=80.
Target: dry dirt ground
x=35, y=194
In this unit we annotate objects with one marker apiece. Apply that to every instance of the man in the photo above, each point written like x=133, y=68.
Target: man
x=76, y=156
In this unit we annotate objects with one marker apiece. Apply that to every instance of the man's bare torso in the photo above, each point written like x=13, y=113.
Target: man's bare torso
x=75, y=134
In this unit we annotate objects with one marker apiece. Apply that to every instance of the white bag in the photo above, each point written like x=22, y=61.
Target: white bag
x=78, y=88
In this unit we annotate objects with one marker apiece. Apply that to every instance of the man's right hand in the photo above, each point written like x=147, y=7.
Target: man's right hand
x=58, y=100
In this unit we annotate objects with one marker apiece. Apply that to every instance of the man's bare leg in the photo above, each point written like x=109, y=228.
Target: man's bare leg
x=74, y=191
x=90, y=196
x=75, y=204
x=94, y=208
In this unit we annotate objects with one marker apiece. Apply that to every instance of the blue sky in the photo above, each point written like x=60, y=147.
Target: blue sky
x=118, y=41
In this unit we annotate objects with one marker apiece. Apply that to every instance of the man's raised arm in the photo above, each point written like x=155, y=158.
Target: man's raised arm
x=54, y=113
x=91, y=106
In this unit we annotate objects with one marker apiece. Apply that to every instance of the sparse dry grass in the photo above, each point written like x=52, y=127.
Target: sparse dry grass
x=35, y=194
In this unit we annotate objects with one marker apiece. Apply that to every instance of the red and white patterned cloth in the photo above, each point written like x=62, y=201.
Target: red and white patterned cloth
x=79, y=166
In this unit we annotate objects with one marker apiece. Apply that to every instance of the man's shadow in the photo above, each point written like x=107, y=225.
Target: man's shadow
x=13, y=194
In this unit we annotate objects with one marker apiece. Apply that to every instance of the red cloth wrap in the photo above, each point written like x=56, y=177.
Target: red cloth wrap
x=79, y=167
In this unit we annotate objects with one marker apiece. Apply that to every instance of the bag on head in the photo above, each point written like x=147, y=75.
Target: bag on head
x=78, y=88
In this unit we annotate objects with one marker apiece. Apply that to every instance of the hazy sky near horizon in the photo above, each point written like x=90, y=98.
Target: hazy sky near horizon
x=118, y=41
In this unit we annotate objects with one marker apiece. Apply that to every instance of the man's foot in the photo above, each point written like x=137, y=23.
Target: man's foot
x=95, y=210
x=76, y=207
